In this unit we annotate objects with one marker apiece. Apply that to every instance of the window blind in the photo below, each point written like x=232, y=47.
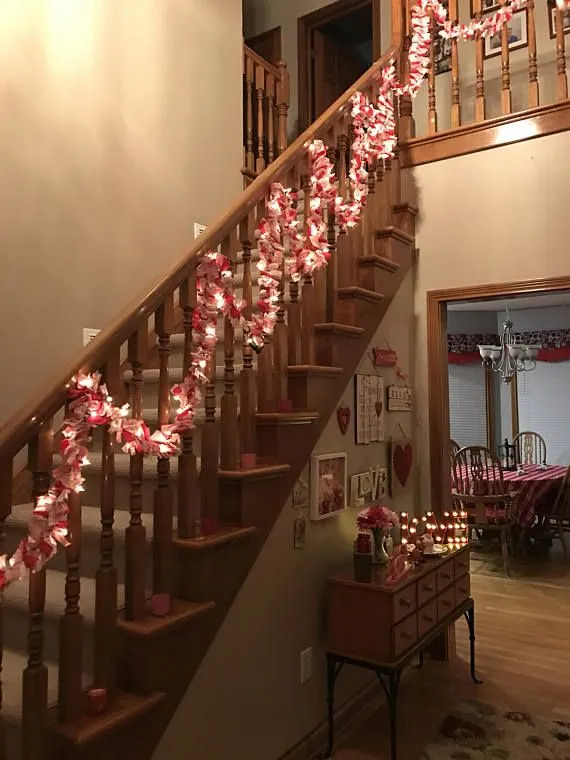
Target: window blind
x=544, y=407
x=467, y=404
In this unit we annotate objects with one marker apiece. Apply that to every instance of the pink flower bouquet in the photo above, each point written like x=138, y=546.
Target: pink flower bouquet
x=377, y=517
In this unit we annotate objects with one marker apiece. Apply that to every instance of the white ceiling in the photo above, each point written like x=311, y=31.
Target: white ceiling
x=525, y=302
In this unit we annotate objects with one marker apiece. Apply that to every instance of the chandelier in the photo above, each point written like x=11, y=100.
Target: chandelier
x=511, y=356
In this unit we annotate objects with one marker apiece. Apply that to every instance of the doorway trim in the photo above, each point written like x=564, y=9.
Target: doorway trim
x=306, y=25
x=438, y=386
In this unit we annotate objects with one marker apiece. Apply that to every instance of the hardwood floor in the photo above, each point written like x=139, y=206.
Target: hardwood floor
x=523, y=656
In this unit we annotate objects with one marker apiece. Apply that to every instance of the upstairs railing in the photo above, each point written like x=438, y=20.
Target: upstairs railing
x=265, y=109
x=142, y=339
x=521, y=68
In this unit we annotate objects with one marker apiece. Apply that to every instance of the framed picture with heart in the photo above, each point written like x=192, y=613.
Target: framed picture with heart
x=401, y=464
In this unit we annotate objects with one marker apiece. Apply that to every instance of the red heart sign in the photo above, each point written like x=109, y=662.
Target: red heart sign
x=378, y=407
x=343, y=418
x=402, y=462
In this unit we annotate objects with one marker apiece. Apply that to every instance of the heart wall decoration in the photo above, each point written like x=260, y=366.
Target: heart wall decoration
x=343, y=415
x=401, y=464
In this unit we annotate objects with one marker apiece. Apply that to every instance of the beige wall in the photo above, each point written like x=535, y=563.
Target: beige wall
x=114, y=141
x=261, y=15
x=246, y=702
x=489, y=217
x=518, y=64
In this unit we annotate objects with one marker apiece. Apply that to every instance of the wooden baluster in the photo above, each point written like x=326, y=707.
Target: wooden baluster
x=249, y=81
x=332, y=268
x=561, y=76
x=388, y=186
x=344, y=269
x=35, y=676
x=533, y=93
x=506, y=97
x=210, y=447
x=270, y=100
x=294, y=305
x=6, y=476
x=265, y=380
x=135, y=534
x=455, y=97
x=260, y=92
x=163, y=500
x=71, y=624
x=282, y=107
x=280, y=358
x=308, y=296
x=401, y=35
x=247, y=385
x=320, y=278
x=188, y=500
x=479, y=67
x=229, y=456
x=432, y=109
x=106, y=577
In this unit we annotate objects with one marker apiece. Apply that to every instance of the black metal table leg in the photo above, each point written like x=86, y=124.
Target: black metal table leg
x=470, y=618
x=391, y=691
x=333, y=669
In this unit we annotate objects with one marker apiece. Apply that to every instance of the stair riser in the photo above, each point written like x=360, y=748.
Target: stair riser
x=150, y=391
x=330, y=349
x=123, y=491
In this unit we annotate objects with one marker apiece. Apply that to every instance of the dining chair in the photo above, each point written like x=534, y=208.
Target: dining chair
x=454, y=446
x=479, y=487
x=530, y=448
x=559, y=514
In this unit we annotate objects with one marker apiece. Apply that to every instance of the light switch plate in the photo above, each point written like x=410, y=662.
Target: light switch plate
x=88, y=334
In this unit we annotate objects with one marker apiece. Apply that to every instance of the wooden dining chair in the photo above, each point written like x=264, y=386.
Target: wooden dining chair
x=479, y=487
x=558, y=516
x=454, y=446
x=530, y=448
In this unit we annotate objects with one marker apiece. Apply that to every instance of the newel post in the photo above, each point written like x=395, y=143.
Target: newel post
x=401, y=38
x=283, y=101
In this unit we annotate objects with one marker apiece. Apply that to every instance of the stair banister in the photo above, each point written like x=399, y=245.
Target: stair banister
x=20, y=428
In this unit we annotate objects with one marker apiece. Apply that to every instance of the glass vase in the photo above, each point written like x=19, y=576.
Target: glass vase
x=382, y=539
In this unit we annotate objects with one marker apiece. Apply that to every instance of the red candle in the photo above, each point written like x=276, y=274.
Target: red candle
x=96, y=701
x=160, y=605
x=248, y=461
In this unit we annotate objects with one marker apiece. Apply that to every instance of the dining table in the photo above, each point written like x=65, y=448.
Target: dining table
x=535, y=484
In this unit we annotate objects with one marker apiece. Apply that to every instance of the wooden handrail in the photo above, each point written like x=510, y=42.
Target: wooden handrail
x=269, y=67
x=18, y=430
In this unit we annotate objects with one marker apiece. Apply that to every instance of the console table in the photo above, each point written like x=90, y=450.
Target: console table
x=383, y=626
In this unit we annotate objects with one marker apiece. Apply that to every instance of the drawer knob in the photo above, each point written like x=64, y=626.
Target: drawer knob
x=405, y=635
x=427, y=618
x=427, y=587
x=405, y=603
x=445, y=603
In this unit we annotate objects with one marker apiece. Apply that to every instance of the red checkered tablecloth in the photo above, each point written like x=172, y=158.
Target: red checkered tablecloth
x=532, y=487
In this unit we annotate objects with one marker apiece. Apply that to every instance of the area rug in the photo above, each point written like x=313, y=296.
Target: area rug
x=480, y=731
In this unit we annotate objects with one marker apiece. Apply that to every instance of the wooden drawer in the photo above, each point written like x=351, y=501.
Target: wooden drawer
x=461, y=564
x=462, y=590
x=446, y=603
x=404, y=635
x=445, y=576
x=404, y=602
x=427, y=588
x=427, y=618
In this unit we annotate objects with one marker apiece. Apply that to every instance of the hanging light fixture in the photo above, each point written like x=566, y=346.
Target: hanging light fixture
x=511, y=356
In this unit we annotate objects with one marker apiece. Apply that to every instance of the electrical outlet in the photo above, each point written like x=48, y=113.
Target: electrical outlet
x=306, y=670
x=199, y=229
x=88, y=334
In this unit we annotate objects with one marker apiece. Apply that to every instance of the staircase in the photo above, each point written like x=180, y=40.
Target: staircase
x=85, y=620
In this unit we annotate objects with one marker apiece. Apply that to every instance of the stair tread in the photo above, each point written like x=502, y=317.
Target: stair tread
x=181, y=612
x=313, y=369
x=126, y=708
x=151, y=376
x=16, y=596
x=337, y=328
x=226, y=535
x=356, y=292
x=381, y=261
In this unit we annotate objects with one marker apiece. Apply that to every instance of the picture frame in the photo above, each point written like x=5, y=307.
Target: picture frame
x=552, y=20
x=369, y=487
x=369, y=409
x=328, y=485
x=300, y=494
x=441, y=55
x=517, y=29
x=300, y=532
x=487, y=6
x=399, y=398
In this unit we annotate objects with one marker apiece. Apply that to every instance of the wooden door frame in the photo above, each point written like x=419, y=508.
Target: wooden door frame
x=305, y=26
x=438, y=385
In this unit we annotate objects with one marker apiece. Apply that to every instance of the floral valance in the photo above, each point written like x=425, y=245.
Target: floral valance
x=555, y=345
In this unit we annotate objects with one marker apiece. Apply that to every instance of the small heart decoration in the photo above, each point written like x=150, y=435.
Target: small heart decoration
x=402, y=461
x=343, y=418
x=378, y=406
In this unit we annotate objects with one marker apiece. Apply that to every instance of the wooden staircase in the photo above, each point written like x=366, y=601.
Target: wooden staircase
x=192, y=529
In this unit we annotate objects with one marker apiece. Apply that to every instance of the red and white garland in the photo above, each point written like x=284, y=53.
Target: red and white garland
x=281, y=245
